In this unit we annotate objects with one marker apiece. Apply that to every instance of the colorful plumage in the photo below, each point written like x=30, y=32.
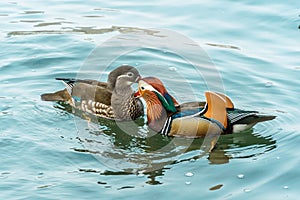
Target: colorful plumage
x=194, y=119
x=113, y=99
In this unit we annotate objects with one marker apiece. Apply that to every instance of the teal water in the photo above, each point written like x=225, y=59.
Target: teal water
x=49, y=153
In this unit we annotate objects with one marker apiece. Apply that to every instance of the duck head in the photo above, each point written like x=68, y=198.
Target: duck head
x=122, y=77
x=160, y=104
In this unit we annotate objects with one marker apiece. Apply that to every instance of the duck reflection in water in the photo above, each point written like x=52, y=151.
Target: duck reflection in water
x=131, y=148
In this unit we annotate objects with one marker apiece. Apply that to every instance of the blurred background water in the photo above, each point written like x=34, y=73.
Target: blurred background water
x=48, y=153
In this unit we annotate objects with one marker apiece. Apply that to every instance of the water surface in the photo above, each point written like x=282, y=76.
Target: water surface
x=47, y=152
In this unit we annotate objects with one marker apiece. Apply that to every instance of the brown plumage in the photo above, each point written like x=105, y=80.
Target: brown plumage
x=112, y=99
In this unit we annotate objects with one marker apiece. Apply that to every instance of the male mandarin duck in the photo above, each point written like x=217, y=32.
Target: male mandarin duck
x=113, y=99
x=196, y=119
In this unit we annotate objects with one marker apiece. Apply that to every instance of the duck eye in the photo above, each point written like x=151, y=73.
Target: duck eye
x=130, y=74
x=142, y=88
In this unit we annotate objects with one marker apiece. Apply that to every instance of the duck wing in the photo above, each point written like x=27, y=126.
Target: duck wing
x=88, y=90
x=211, y=120
x=71, y=82
x=78, y=90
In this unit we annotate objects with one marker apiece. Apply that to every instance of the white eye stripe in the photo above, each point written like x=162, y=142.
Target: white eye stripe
x=145, y=86
x=150, y=88
x=121, y=76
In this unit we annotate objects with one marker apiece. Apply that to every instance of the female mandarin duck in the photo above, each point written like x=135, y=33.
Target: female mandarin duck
x=113, y=99
x=215, y=116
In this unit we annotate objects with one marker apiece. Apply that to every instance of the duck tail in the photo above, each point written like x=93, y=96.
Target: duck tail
x=259, y=118
x=69, y=83
x=61, y=95
x=266, y=117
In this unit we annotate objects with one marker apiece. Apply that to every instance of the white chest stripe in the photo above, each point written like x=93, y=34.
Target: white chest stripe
x=166, y=126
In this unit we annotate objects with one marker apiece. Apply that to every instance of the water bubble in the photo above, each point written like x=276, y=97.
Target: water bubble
x=172, y=68
x=40, y=175
x=268, y=84
x=188, y=182
x=247, y=190
x=277, y=157
x=240, y=176
x=285, y=187
x=4, y=175
x=189, y=174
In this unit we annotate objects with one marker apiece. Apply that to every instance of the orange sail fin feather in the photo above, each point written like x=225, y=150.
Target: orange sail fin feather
x=216, y=108
x=229, y=103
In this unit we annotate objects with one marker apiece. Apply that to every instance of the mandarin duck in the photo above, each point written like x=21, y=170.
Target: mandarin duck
x=195, y=119
x=113, y=99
